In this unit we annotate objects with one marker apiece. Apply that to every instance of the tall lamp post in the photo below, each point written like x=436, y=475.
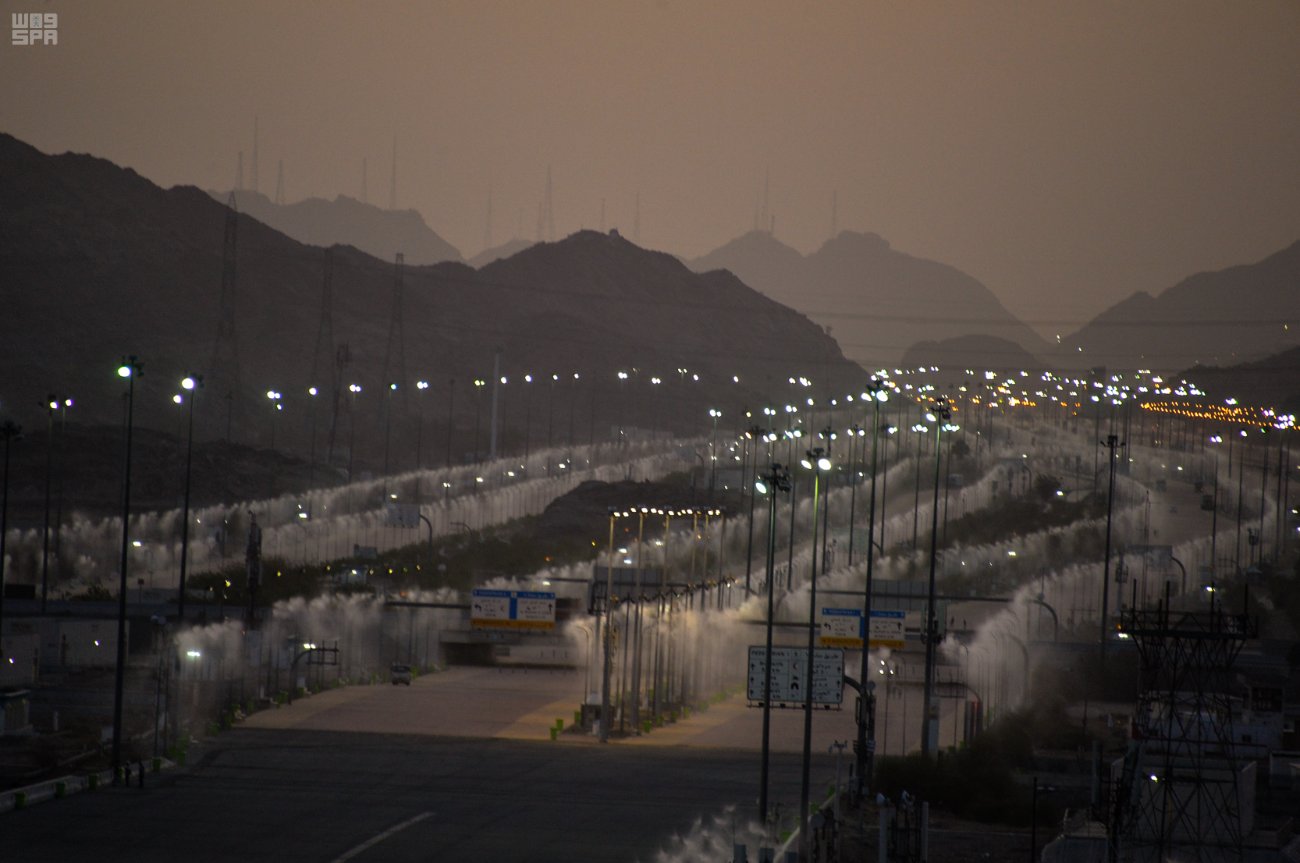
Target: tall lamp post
x=191, y=384
x=51, y=405
x=752, y=437
x=776, y=479
x=1214, y=515
x=1113, y=446
x=715, y=414
x=941, y=416
x=420, y=386
x=311, y=457
x=274, y=396
x=388, y=427
x=354, y=389
x=130, y=370
x=816, y=461
x=605, y=706
x=866, y=743
x=10, y=432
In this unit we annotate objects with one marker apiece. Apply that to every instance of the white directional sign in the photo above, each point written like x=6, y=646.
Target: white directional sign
x=887, y=629
x=842, y=627
x=512, y=609
x=790, y=674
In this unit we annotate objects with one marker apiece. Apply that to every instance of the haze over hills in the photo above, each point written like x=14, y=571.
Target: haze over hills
x=1216, y=318
x=496, y=253
x=99, y=262
x=876, y=301
x=349, y=222
x=1273, y=381
x=992, y=353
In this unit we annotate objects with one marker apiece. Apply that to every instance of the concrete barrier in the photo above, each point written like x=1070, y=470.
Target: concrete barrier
x=61, y=787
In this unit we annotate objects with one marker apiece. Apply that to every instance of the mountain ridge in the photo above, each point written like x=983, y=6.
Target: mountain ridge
x=98, y=262
x=877, y=301
x=347, y=221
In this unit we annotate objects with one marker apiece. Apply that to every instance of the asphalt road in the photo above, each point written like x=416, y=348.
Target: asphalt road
x=384, y=774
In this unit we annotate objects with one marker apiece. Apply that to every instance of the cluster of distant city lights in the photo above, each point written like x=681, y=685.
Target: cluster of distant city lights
x=994, y=389
x=1231, y=412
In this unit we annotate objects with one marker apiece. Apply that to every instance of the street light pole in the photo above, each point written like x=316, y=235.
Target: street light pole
x=751, y=435
x=51, y=403
x=609, y=595
x=817, y=462
x=866, y=743
x=192, y=383
x=1112, y=446
x=713, y=452
x=940, y=416
x=352, y=426
x=777, y=479
x=855, y=431
x=129, y=369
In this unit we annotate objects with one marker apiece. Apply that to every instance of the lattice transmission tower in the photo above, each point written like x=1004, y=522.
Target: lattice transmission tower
x=1183, y=794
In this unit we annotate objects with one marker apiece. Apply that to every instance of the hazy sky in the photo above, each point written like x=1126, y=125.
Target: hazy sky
x=1067, y=154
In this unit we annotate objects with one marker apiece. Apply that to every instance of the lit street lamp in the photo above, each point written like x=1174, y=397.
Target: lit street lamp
x=479, y=383
x=52, y=403
x=421, y=386
x=311, y=458
x=388, y=427
x=274, y=396
x=191, y=384
x=130, y=370
x=713, y=451
x=817, y=462
x=777, y=479
x=354, y=389
x=866, y=742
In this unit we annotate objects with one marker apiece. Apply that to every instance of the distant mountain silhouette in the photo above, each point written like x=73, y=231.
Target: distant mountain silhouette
x=992, y=353
x=1217, y=318
x=97, y=262
x=877, y=302
x=504, y=250
x=1273, y=381
x=349, y=222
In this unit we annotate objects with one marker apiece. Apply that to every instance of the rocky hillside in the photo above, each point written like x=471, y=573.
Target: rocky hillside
x=96, y=262
x=1214, y=319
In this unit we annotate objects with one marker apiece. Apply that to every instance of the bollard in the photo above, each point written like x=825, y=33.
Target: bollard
x=555, y=733
x=559, y=725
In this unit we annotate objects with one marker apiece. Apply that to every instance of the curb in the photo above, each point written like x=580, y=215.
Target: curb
x=14, y=799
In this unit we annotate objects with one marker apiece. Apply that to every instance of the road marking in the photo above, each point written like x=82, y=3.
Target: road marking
x=372, y=842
